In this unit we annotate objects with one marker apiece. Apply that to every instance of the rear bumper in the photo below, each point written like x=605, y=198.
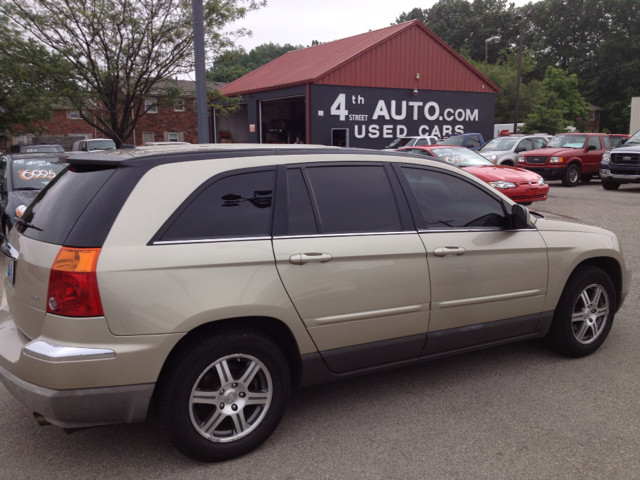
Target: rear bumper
x=86, y=407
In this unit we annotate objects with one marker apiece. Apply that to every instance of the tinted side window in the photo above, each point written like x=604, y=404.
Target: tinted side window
x=539, y=142
x=447, y=201
x=473, y=141
x=607, y=143
x=353, y=199
x=231, y=207
x=301, y=218
x=595, y=141
x=525, y=145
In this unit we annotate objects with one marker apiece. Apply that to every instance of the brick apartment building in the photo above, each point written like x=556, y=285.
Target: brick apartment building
x=174, y=121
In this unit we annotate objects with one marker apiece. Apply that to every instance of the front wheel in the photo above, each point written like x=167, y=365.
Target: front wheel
x=584, y=314
x=223, y=396
x=608, y=185
x=571, y=176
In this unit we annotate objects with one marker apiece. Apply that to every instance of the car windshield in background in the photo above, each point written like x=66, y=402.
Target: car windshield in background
x=101, y=145
x=634, y=140
x=460, y=157
x=567, y=141
x=455, y=140
x=616, y=141
x=42, y=149
x=500, y=144
x=34, y=174
x=399, y=142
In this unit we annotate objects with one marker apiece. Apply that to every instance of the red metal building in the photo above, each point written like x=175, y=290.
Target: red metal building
x=363, y=91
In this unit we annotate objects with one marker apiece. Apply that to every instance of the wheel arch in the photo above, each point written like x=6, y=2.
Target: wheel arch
x=275, y=329
x=576, y=161
x=612, y=268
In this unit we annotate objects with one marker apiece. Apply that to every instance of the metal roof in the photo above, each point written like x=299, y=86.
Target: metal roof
x=386, y=58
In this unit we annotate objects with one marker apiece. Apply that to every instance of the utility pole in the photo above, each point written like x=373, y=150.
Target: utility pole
x=519, y=19
x=201, y=74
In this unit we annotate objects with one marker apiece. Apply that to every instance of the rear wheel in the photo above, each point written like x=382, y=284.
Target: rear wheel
x=586, y=177
x=608, y=185
x=224, y=395
x=584, y=314
x=571, y=176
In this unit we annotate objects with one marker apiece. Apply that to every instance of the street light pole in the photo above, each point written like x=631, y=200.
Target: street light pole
x=519, y=18
x=494, y=39
x=201, y=74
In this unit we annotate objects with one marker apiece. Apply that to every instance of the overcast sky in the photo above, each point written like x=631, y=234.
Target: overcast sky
x=298, y=22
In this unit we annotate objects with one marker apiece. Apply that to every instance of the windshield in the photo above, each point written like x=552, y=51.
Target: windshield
x=500, y=144
x=101, y=145
x=399, y=142
x=41, y=149
x=34, y=174
x=460, y=157
x=567, y=141
x=455, y=140
x=634, y=140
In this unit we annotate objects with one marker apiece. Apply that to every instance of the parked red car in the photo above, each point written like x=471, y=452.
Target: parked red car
x=518, y=184
x=570, y=157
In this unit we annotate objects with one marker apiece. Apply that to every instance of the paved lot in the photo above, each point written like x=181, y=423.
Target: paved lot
x=514, y=412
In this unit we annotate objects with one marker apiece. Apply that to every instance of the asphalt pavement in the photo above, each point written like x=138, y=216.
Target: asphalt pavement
x=512, y=412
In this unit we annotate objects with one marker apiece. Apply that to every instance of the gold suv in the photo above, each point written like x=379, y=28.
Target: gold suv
x=213, y=279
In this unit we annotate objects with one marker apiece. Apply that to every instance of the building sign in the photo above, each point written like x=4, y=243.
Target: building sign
x=376, y=116
x=252, y=127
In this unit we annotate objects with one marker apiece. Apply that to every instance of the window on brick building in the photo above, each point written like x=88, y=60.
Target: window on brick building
x=179, y=106
x=592, y=116
x=148, y=137
x=26, y=139
x=173, y=136
x=74, y=114
x=151, y=105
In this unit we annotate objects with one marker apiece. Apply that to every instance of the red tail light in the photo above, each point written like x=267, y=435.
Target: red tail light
x=73, y=286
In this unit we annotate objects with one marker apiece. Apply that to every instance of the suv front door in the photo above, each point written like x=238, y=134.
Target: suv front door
x=352, y=263
x=488, y=281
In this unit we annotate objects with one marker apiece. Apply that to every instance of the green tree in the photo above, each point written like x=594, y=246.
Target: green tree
x=122, y=50
x=26, y=92
x=463, y=24
x=504, y=73
x=232, y=64
x=561, y=104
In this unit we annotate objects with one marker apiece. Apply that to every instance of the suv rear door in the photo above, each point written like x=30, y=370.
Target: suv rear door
x=352, y=263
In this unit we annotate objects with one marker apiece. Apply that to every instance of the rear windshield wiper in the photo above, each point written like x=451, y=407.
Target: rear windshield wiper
x=27, y=188
x=26, y=224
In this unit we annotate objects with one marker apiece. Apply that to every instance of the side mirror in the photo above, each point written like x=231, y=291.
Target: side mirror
x=520, y=216
x=591, y=147
x=520, y=149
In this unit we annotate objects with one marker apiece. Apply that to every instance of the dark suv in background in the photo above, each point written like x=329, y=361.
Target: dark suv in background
x=621, y=165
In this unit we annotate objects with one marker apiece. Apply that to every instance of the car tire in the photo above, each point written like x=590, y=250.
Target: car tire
x=222, y=396
x=571, y=176
x=584, y=315
x=507, y=164
x=608, y=185
x=586, y=177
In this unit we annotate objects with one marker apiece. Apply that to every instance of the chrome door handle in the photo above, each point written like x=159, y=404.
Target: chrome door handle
x=302, y=258
x=444, y=251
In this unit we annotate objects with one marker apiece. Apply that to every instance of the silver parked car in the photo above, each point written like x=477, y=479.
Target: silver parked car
x=505, y=150
x=214, y=279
